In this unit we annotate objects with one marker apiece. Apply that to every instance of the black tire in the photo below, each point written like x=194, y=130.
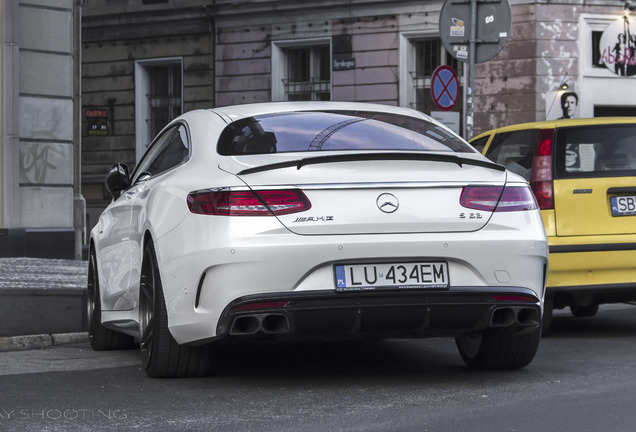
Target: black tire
x=100, y=337
x=161, y=355
x=498, y=349
x=584, y=311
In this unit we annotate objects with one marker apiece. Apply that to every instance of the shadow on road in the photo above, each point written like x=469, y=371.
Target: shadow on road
x=427, y=359
x=610, y=322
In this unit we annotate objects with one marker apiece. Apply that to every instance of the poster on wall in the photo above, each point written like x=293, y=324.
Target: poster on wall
x=97, y=120
x=618, y=47
x=562, y=104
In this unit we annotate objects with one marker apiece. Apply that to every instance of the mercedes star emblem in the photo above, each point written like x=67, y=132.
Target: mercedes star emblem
x=388, y=203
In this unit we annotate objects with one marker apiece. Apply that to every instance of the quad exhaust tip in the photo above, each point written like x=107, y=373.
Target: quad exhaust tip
x=518, y=316
x=260, y=323
x=277, y=323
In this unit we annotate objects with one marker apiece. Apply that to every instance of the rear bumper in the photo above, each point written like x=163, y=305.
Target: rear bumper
x=218, y=270
x=561, y=297
x=601, y=247
x=601, y=268
x=320, y=316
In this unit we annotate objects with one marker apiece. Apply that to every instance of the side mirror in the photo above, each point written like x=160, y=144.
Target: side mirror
x=117, y=179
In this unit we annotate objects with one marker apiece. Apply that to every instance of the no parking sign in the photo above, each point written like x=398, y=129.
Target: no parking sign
x=444, y=87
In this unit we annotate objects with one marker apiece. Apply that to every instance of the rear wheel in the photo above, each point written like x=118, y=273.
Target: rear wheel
x=100, y=337
x=498, y=349
x=584, y=311
x=162, y=356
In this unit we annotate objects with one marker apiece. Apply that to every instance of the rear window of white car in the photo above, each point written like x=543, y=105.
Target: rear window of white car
x=331, y=131
x=596, y=151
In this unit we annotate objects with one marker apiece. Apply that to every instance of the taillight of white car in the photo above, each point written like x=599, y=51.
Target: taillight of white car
x=498, y=199
x=248, y=203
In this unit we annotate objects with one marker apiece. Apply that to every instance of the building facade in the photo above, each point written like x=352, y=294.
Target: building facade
x=146, y=61
x=41, y=208
x=394, y=47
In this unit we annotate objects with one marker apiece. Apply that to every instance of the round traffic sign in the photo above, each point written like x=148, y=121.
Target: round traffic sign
x=445, y=87
x=493, y=22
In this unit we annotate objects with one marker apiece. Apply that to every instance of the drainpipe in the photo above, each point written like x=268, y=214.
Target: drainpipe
x=212, y=30
x=79, y=204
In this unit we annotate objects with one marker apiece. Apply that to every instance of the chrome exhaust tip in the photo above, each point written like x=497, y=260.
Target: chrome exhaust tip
x=275, y=324
x=246, y=325
x=502, y=317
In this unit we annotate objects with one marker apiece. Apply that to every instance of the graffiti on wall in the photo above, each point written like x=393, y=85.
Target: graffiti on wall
x=41, y=163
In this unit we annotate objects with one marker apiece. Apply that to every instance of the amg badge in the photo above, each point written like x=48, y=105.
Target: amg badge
x=314, y=219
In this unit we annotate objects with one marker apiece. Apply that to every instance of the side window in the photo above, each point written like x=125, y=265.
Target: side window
x=170, y=150
x=480, y=143
x=514, y=150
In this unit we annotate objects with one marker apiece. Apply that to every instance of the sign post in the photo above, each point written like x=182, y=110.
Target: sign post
x=474, y=31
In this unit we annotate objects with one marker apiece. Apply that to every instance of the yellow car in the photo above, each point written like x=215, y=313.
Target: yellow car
x=583, y=174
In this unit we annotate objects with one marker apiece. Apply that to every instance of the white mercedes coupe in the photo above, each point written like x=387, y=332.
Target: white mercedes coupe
x=312, y=221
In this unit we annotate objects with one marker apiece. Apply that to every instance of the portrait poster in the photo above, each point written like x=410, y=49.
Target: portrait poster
x=561, y=104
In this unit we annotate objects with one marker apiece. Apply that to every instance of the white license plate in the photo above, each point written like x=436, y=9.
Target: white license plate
x=623, y=205
x=395, y=276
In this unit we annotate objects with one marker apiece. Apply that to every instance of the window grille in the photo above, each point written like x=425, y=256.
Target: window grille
x=308, y=75
x=429, y=54
x=165, y=96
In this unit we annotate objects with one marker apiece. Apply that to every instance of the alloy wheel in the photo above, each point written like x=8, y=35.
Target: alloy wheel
x=146, y=308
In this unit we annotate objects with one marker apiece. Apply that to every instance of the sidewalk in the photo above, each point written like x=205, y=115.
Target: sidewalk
x=42, y=302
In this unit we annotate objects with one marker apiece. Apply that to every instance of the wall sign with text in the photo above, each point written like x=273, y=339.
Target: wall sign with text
x=97, y=120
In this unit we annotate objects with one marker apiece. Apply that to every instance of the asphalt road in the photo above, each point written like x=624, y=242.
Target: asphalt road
x=583, y=379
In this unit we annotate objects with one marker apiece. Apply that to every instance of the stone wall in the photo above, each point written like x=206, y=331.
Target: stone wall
x=38, y=138
x=46, y=114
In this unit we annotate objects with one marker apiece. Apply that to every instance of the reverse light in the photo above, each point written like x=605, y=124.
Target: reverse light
x=248, y=203
x=516, y=198
x=541, y=172
x=480, y=197
x=498, y=199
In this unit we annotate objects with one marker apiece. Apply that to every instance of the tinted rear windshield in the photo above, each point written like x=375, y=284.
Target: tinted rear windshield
x=329, y=131
x=596, y=151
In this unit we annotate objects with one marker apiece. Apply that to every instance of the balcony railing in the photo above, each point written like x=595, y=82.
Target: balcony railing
x=313, y=90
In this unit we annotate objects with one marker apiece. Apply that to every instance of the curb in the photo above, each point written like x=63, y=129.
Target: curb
x=23, y=343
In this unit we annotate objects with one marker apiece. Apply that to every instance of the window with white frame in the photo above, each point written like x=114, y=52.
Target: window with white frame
x=428, y=55
x=158, y=98
x=301, y=70
x=591, y=28
x=420, y=55
x=165, y=95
